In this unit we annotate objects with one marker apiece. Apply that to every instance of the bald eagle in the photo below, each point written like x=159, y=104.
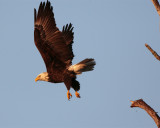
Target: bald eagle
x=55, y=47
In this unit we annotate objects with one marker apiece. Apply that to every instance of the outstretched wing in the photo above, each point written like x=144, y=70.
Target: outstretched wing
x=48, y=39
x=68, y=35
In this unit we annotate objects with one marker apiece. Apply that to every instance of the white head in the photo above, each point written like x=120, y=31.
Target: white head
x=42, y=77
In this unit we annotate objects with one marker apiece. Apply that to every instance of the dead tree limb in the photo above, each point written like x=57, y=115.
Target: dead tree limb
x=141, y=104
x=153, y=52
x=156, y=5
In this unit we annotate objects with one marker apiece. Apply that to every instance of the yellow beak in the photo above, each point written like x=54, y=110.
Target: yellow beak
x=36, y=79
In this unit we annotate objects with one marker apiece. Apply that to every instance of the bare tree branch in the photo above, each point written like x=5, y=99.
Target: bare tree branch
x=141, y=104
x=153, y=52
x=156, y=5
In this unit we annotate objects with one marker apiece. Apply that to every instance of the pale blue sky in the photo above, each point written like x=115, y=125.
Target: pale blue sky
x=111, y=31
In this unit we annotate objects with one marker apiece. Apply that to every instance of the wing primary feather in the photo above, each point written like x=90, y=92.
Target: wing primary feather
x=35, y=15
x=63, y=28
x=39, y=12
x=42, y=15
x=66, y=27
x=68, y=34
x=69, y=30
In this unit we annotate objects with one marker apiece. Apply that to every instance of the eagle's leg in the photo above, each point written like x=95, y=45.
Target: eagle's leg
x=69, y=95
x=77, y=94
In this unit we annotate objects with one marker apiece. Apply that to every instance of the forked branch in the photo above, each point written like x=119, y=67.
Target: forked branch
x=141, y=104
x=153, y=52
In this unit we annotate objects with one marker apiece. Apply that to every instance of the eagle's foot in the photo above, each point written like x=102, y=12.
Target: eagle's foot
x=69, y=95
x=77, y=94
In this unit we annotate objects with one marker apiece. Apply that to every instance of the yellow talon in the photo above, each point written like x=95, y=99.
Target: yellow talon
x=69, y=95
x=77, y=94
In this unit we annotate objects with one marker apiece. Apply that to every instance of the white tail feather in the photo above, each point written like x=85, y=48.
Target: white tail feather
x=83, y=66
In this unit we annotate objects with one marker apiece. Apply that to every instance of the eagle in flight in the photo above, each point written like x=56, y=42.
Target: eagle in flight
x=55, y=47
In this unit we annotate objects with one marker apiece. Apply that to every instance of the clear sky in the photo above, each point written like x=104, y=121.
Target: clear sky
x=111, y=31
